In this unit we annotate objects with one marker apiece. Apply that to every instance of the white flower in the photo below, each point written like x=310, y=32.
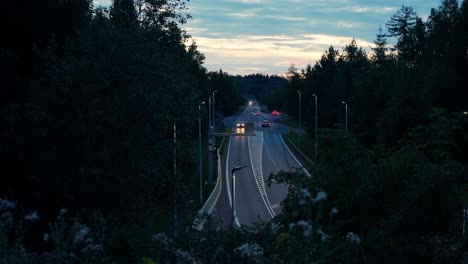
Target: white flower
x=353, y=238
x=81, y=234
x=92, y=249
x=62, y=213
x=321, y=196
x=306, y=227
x=249, y=250
x=322, y=234
x=275, y=227
x=291, y=226
x=163, y=240
x=184, y=257
x=303, y=195
x=32, y=216
x=7, y=205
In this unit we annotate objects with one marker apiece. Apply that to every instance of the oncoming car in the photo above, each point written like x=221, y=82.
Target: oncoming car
x=240, y=124
x=266, y=123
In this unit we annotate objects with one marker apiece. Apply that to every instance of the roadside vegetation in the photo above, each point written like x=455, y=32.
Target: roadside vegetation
x=86, y=142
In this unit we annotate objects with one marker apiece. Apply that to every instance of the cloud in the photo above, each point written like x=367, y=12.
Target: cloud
x=348, y=24
x=247, y=1
x=104, y=3
x=262, y=35
x=241, y=15
x=289, y=18
x=268, y=54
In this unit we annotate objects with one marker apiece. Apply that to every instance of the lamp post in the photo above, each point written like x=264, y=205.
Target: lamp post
x=214, y=115
x=346, y=115
x=300, y=93
x=175, y=178
x=233, y=189
x=209, y=112
x=200, y=152
x=316, y=142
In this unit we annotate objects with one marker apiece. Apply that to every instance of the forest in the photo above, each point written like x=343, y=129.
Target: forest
x=88, y=102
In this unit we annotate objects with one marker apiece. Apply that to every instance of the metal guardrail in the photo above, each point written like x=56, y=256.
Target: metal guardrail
x=292, y=144
x=212, y=199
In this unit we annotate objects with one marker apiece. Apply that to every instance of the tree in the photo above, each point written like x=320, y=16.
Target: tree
x=380, y=50
x=123, y=13
x=401, y=26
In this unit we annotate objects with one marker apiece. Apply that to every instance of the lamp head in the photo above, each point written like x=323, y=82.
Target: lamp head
x=236, y=168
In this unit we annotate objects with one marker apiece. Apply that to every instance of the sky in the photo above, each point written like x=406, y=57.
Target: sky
x=268, y=36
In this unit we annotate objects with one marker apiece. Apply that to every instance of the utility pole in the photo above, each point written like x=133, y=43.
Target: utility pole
x=210, y=155
x=209, y=113
x=200, y=166
x=175, y=180
x=299, y=92
x=316, y=140
x=214, y=111
x=346, y=115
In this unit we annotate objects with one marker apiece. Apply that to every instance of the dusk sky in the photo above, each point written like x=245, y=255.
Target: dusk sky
x=267, y=36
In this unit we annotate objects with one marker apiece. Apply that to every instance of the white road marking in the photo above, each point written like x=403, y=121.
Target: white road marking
x=255, y=152
x=305, y=171
x=271, y=158
x=278, y=205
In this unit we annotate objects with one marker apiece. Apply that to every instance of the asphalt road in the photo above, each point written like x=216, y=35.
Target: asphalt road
x=263, y=153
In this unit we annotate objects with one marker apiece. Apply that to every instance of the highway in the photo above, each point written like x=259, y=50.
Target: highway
x=263, y=153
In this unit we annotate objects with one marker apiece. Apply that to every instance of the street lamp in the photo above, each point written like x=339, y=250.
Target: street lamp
x=214, y=115
x=300, y=93
x=346, y=115
x=233, y=189
x=316, y=142
x=209, y=112
x=200, y=152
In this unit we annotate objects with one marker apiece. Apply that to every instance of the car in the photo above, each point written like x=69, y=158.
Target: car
x=275, y=113
x=266, y=123
x=258, y=113
x=240, y=124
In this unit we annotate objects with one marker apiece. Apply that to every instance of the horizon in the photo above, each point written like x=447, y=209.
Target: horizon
x=243, y=37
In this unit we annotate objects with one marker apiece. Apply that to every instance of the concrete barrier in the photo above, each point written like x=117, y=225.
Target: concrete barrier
x=212, y=199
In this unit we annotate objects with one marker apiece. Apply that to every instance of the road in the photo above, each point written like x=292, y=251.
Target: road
x=263, y=153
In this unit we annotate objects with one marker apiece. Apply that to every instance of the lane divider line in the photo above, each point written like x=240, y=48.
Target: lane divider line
x=257, y=168
x=305, y=171
x=271, y=158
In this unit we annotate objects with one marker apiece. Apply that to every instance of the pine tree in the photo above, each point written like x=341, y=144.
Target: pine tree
x=123, y=13
x=401, y=26
x=379, y=57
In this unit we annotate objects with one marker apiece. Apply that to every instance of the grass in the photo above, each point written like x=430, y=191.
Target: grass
x=288, y=120
x=306, y=146
x=464, y=190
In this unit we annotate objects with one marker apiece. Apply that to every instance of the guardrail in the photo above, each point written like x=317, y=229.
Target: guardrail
x=300, y=152
x=212, y=199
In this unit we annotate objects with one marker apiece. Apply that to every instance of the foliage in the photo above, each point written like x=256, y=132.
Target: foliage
x=66, y=240
x=87, y=114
